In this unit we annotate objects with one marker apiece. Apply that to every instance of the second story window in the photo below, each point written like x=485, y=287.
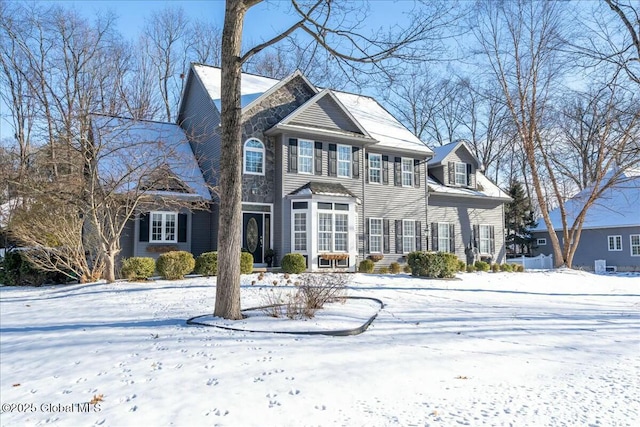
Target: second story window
x=254, y=157
x=407, y=172
x=375, y=168
x=305, y=156
x=344, y=161
x=461, y=173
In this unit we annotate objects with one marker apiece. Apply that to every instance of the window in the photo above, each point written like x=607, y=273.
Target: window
x=254, y=157
x=325, y=232
x=542, y=242
x=375, y=168
x=300, y=231
x=615, y=243
x=461, y=174
x=305, y=156
x=333, y=230
x=407, y=172
x=635, y=244
x=444, y=237
x=484, y=240
x=375, y=235
x=163, y=227
x=341, y=232
x=344, y=161
x=408, y=235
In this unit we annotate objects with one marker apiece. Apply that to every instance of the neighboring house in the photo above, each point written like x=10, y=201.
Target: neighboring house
x=466, y=210
x=611, y=230
x=332, y=176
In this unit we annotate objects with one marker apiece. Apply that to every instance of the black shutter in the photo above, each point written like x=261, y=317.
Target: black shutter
x=469, y=176
x=293, y=155
x=144, y=227
x=355, y=162
x=475, y=237
x=366, y=167
x=333, y=160
x=366, y=236
x=452, y=173
x=318, y=157
x=418, y=233
x=182, y=228
x=452, y=238
x=398, y=236
x=385, y=238
x=434, y=236
x=397, y=176
x=416, y=173
x=493, y=240
x=385, y=169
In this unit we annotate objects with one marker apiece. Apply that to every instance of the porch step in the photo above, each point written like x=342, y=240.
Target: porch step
x=259, y=269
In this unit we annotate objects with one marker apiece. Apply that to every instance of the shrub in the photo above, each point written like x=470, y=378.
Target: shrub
x=246, y=263
x=16, y=270
x=175, y=264
x=319, y=289
x=506, y=267
x=207, y=264
x=383, y=270
x=471, y=268
x=394, y=267
x=518, y=267
x=430, y=264
x=366, y=266
x=293, y=263
x=418, y=263
x=462, y=266
x=406, y=269
x=138, y=268
x=481, y=266
x=495, y=267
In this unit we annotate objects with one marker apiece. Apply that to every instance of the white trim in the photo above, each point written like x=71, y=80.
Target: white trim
x=338, y=161
x=300, y=141
x=541, y=241
x=617, y=238
x=456, y=174
x=262, y=151
x=631, y=245
x=379, y=169
x=381, y=235
x=446, y=226
x=163, y=225
x=403, y=172
x=405, y=235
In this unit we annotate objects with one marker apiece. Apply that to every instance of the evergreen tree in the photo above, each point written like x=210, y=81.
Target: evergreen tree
x=519, y=220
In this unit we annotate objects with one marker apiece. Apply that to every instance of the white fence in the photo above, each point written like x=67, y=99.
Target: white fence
x=541, y=262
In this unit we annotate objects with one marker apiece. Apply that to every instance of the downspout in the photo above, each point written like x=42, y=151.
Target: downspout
x=364, y=198
x=426, y=202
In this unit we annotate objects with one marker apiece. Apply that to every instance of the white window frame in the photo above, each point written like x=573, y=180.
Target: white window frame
x=484, y=240
x=408, y=236
x=633, y=245
x=407, y=172
x=330, y=234
x=617, y=243
x=343, y=161
x=248, y=149
x=302, y=156
x=375, y=168
x=444, y=239
x=300, y=232
x=541, y=242
x=164, y=223
x=460, y=174
x=376, y=237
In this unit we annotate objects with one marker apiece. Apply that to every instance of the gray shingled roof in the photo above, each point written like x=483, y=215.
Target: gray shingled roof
x=325, y=188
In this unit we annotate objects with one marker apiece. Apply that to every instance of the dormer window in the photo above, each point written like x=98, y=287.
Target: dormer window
x=254, y=157
x=461, y=174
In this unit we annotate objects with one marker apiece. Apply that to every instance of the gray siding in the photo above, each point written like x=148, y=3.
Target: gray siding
x=594, y=244
x=201, y=232
x=443, y=172
x=140, y=249
x=464, y=213
x=326, y=114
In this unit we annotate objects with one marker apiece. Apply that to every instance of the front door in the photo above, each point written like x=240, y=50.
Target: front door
x=252, y=235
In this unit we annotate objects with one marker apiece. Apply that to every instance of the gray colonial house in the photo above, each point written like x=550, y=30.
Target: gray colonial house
x=611, y=230
x=333, y=176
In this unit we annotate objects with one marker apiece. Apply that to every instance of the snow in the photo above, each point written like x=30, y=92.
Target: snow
x=536, y=348
x=489, y=189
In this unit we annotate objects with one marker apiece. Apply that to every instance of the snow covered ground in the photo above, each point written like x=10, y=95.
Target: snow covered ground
x=526, y=349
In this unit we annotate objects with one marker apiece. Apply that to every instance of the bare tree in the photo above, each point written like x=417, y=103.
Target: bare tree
x=328, y=25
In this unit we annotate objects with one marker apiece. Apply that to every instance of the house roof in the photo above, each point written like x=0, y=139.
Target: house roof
x=374, y=119
x=485, y=189
x=442, y=153
x=619, y=206
x=322, y=188
x=136, y=149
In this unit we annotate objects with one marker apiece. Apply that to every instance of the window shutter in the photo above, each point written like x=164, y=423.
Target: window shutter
x=293, y=155
x=333, y=160
x=385, y=239
x=366, y=167
x=452, y=238
x=434, y=236
x=416, y=173
x=475, y=236
x=469, y=176
x=355, y=162
x=398, y=236
x=366, y=236
x=418, y=233
x=144, y=227
x=493, y=240
x=318, y=157
x=397, y=178
x=182, y=228
x=385, y=169
x=452, y=173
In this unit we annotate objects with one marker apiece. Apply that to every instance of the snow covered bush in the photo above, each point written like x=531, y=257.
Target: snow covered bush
x=293, y=263
x=366, y=266
x=138, y=268
x=175, y=265
x=207, y=264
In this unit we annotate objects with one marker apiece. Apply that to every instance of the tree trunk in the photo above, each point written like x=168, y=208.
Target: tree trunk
x=230, y=224
x=110, y=267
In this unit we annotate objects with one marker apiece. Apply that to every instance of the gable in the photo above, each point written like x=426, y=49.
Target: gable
x=325, y=113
